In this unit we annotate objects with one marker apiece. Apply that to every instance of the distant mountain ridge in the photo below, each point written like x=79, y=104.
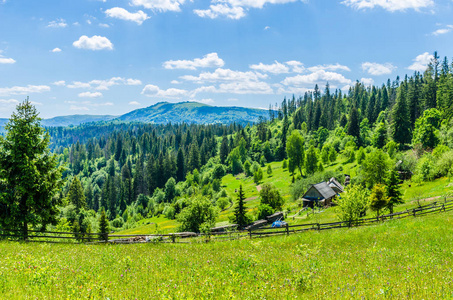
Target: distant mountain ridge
x=194, y=113
x=165, y=112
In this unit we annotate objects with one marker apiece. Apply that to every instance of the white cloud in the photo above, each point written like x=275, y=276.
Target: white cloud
x=59, y=83
x=445, y=30
x=58, y=23
x=319, y=76
x=24, y=90
x=9, y=102
x=4, y=60
x=205, y=101
x=79, y=108
x=134, y=103
x=103, y=25
x=159, y=5
x=378, y=69
x=175, y=82
x=120, y=13
x=267, y=28
x=225, y=75
x=90, y=95
x=276, y=68
x=297, y=66
x=243, y=87
x=55, y=50
x=390, y=5
x=367, y=81
x=154, y=91
x=104, y=85
x=219, y=10
x=95, y=42
x=210, y=60
x=335, y=67
x=232, y=99
x=421, y=62
x=236, y=9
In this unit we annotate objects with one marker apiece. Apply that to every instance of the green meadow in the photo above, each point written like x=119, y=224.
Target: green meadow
x=400, y=259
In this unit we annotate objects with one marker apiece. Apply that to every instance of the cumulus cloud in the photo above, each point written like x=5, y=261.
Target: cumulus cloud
x=421, y=62
x=367, y=81
x=134, y=103
x=56, y=50
x=95, y=42
x=221, y=10
x=120, y=13
x=320, y=76
x=445, y=30
x=225, y=75
x=210, y=60
x=236, y=9
x=297, y=66
x=59, y=83
x=275, y=68
x=378, y=69
x=154, y=91
x=390, y=5
x=58, y=23
x=332, y=67
x=90, y=95
x=244, y=87
x=160, y=5
x=24, y=90
x=104, y=85
x=4, y=60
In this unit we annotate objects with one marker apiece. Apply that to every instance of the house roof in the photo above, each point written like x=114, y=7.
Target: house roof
x=323, y=189
x=334, y=182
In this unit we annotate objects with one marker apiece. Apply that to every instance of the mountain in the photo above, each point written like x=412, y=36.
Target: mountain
x=163, y=113
x=193, y=112
x=75, y=120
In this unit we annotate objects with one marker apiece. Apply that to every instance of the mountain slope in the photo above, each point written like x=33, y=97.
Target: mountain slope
x=193, y=112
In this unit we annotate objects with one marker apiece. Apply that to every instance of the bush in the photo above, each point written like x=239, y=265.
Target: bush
x=270, y=195
x=264, y=210
x=169, y=212
x=223, y=203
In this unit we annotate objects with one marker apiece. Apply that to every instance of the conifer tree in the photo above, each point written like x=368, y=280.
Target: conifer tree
x=393, y=190
x=400, y=126
x=76, y=195
x=180, y=173
x=104, y=226
x=29, y=174
x=240, y=217
x=353, y=124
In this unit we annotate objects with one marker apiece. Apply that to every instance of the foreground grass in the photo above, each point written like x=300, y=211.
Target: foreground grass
x=402, y=259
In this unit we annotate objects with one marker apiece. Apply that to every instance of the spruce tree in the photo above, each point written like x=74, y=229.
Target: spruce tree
x=103, y=226
x=76, y=195
x=393, y=190
x=29, y=173
x=353, y=124
x=180, y=173
x=400, y=127
x=240, y=217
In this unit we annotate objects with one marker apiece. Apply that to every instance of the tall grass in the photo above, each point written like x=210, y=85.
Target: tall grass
x=408, y=258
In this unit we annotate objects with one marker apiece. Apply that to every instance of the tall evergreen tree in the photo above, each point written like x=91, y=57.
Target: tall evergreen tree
x=180, y=165
x=393, y=190
x=354, y=124
x=400, y=126
x=29, y=176
x=240, y=217
x=76, y=195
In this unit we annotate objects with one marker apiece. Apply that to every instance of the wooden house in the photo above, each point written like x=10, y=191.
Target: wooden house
x=335, y=185
x=319, y=194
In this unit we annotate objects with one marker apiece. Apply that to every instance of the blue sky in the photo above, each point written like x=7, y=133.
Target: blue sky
x=113, y=56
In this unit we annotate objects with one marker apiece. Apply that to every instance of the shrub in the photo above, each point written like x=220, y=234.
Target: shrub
x=264, y=210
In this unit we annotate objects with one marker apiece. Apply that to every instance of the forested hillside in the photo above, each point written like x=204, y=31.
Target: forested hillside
x=136, y=171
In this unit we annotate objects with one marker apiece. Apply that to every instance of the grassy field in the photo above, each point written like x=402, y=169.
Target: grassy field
x=401, y=259
x=412, y=193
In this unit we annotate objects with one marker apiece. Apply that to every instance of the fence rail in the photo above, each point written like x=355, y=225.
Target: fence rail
x=71, y=237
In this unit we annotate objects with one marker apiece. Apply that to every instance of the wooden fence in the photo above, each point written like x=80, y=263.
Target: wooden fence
x=188, y=237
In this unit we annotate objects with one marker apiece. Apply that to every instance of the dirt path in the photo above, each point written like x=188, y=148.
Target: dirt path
x=251, y=198
x=258, y=188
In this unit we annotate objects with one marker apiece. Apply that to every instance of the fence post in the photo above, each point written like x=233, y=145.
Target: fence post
x=319, y=227
x=413, y=211
x=287, y=229
x=250, y=233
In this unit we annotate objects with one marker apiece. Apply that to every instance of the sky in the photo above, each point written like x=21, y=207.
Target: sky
x=112, y=56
